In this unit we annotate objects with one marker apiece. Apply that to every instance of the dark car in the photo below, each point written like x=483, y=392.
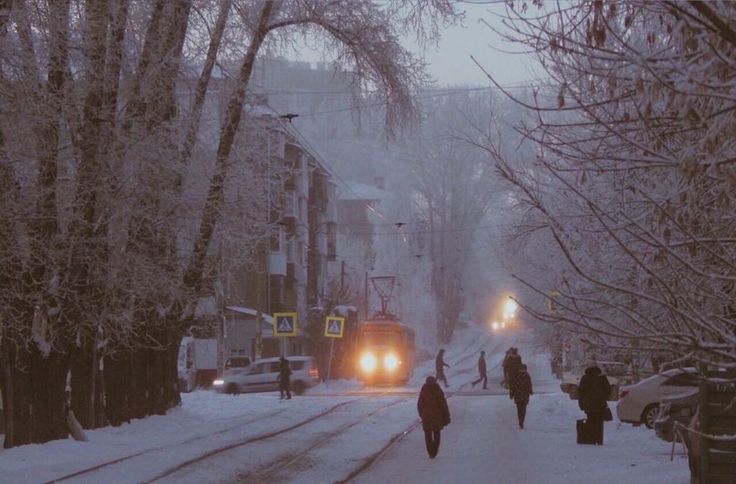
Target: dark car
x=671, y=410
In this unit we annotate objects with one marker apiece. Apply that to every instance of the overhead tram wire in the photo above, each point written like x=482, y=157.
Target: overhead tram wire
x=429, y=96
x=439, y=92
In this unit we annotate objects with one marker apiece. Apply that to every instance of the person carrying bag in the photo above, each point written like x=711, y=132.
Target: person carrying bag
x=593, y=392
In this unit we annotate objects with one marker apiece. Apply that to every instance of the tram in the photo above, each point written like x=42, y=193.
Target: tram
x=384, y=346
x=385, y=350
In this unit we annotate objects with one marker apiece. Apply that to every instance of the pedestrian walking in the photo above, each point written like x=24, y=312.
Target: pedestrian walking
x=439, y=366
x=593, y=392
x=513, y=364
x=505, y=366
x=435, y=414
x=284, y=378
x=482, y=371
x=521, y=389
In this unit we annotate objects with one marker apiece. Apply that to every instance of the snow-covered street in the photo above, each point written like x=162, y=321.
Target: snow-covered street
x=343, y=432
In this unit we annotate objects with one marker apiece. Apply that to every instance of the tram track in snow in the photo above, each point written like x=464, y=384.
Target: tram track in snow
x=272, y=468
x=276, y=468
x=233, y=425
x=236, y=425
x=252, y=439
x=88, y=473
x=375, y=457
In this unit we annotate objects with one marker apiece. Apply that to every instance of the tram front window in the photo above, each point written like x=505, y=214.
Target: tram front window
x=382, y=339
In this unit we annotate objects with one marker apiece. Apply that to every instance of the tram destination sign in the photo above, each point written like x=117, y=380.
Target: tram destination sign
x=334, y=327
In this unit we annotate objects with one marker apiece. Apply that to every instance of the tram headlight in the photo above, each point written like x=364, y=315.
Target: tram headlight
x=368, y=363
x=391, y=362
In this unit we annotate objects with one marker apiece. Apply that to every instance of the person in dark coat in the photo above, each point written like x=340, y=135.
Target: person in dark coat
x=513, y=364
x=505, y=366
x=521, y=389
x=284, y=378
x=593, y=392
x=435, y=414
x=482, y=371
x=439, y=366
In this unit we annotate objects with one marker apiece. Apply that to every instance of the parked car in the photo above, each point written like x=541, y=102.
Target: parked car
x=237, y=364
x=639, y=403
x=262, y=376
x=671, y=410
x=614, y=371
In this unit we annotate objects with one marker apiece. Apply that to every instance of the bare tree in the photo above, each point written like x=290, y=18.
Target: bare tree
x=109, y=226
x=634, y=171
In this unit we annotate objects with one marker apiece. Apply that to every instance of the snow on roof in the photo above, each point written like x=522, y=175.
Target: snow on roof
x=260, y=110
x=344, y=310
x=361, y=191
x=250, y=312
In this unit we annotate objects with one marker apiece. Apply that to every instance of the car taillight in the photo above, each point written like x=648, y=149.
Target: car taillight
x=622, y=393
x=314, y=373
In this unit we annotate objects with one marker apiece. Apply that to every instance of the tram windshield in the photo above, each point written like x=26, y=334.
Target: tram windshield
x=382, y=338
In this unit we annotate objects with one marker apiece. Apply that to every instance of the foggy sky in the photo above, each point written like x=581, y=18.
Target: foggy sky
x=449, y=62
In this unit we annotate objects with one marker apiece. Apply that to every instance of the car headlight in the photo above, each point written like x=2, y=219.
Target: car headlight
x=218, y=382
x=495, y=326
x=368, y=363
x=391, y=362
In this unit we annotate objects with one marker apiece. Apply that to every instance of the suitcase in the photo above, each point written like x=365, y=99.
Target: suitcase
x=585, y=432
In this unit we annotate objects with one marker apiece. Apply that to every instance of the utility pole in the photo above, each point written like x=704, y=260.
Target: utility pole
x=365, y=295
x=342, y=277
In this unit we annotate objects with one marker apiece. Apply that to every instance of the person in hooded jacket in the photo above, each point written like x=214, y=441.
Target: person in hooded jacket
x=284, y=378
x=435, y=414
x=439, y=367
x=521, y=388
x=482, y=371
x=513, y=364
x=593, y=392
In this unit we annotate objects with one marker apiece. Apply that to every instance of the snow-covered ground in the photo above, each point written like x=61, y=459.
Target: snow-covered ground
x=483, y=443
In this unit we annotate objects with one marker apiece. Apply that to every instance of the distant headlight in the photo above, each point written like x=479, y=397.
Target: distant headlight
x=391, y=362
x=368, y=363
x=495, y=326
x=218, y=382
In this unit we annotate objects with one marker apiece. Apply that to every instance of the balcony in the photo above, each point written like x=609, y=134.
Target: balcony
x=289, y=208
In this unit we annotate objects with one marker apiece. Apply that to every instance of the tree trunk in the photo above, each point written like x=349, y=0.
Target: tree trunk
x=117, y=388
x=192, y=279
x=200, y=91
x=83, y=384
x=47, y=377
x=6, y=387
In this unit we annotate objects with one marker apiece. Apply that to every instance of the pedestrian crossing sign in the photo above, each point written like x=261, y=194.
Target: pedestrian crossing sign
x=334, y=326
x=285, y=324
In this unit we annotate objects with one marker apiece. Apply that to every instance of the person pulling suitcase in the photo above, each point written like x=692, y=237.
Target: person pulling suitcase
x=593, y=392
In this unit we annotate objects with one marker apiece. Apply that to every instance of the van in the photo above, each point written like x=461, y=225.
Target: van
x=263, y=376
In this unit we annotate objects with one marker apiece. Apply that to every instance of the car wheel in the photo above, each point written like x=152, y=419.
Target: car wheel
x=232, y=389
x=649, y=415
x=299, y=387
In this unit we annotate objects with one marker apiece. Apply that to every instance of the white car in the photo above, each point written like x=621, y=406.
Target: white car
x=639, y=403
x=263, y=375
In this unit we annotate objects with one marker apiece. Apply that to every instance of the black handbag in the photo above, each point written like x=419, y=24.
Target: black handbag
x=607, y=415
